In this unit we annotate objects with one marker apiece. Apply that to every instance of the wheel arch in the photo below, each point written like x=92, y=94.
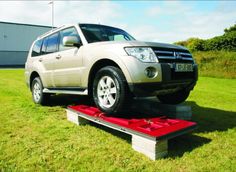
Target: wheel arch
x=96, y=67
x=33, y=75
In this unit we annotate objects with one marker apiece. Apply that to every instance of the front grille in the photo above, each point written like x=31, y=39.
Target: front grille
x=173, y=55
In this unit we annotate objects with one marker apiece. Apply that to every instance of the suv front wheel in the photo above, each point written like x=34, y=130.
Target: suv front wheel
x=37, y=92
x=110, y=90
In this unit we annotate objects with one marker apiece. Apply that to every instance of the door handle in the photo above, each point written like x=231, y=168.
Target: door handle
x=40, y=60
x=58, y=57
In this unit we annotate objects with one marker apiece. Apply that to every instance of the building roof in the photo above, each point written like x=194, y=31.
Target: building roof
x=34, y=25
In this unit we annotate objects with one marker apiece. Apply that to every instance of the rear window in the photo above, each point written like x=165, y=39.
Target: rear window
x=36, y=48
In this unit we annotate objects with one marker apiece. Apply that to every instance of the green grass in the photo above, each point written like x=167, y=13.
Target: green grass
x=216, y=63
x=36, y=138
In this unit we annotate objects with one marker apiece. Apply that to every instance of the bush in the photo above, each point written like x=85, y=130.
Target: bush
x=216, y=63
x=232, y=28
x=226, y=42
x=193, y=44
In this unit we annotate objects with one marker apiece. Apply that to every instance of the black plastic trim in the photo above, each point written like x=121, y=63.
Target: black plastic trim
x=68, y=88
x=170, y=81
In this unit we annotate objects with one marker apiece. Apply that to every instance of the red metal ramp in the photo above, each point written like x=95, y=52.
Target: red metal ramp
x=149, y=135
x=157, y=128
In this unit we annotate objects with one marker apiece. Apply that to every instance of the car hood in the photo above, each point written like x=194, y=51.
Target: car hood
x=138, y=44
x=162, y=45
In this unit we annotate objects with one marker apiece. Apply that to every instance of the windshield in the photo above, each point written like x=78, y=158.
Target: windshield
x=98, y=33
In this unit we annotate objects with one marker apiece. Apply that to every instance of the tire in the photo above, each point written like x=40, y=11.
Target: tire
x=110, y=90
x=37, y=92
x=174, y=98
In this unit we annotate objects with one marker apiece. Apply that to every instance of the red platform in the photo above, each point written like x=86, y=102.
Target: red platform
x=156, y=128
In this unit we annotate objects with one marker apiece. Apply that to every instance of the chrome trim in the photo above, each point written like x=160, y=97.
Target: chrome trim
x=186, y=58
x=173, y=55
x=185, y=54
x=84, y=92
x=166, y=57
x=164, y=52
x=173, y=58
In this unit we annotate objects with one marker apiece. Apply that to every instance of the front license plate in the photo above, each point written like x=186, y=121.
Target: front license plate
x=183, y=67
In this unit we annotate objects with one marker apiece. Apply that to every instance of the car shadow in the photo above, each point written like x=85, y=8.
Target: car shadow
x=208, y=120
x=180, y=145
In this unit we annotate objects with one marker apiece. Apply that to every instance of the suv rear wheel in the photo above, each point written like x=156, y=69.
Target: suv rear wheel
x=110, y=90
x=37, y=92
x=174, y=98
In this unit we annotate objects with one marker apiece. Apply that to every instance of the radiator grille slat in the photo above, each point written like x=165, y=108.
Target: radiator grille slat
x=173, y=55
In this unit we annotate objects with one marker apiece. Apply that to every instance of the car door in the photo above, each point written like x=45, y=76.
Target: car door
x=67, y=68
x=47, y=58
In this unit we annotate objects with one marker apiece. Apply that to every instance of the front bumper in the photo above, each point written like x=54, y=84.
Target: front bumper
x=171, y=81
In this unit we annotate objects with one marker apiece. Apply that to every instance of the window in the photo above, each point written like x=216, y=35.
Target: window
x=36, y=48
x=97, y=33
x=67, y=32
x=117, y=37
x=52, y=43
x=43, y=51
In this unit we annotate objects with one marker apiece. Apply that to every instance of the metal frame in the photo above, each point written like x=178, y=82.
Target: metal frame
x=132, y=132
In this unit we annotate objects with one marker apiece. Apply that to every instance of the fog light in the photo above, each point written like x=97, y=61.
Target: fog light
x=151, y=72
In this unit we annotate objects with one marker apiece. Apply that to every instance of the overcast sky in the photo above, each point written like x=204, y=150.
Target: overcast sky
x=161, y=21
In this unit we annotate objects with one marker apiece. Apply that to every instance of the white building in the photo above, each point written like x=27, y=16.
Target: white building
x=15, y=41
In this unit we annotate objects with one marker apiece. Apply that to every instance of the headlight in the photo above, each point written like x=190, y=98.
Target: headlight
x=143, y=54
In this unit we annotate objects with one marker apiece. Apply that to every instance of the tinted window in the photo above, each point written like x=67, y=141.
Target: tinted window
x=96, y=33
x=67, y=32
x=52, y=43
x=36, y=48
x=43, y=50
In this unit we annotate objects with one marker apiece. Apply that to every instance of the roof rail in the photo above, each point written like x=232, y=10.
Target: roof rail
x=52, y=30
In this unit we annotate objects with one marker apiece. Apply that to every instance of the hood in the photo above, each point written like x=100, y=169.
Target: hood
x=157, y=45
x=139, y=44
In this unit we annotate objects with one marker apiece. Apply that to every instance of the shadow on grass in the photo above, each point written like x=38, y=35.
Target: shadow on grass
x=185, y=143
x=208, y=119
x=115, y=133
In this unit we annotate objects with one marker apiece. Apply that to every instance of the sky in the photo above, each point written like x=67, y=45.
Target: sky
x=158, y=21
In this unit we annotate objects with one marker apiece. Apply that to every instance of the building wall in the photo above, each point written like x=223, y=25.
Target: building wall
x=15, y=42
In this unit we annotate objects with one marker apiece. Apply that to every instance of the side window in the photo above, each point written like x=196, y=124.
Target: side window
x=36, y=48
x=44, y=46
x=67, y=32
x=52, y=43
x=118, y=38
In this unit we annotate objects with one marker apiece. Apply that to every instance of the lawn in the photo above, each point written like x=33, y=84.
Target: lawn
x=36, y=138
x=216, y=63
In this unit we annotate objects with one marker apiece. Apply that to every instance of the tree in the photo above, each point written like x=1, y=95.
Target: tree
x=231, y=29
x=226, y=42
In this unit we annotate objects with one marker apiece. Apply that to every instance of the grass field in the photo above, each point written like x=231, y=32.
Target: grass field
x=36, y=138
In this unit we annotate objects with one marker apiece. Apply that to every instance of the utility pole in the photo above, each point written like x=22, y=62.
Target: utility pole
x=52, y=3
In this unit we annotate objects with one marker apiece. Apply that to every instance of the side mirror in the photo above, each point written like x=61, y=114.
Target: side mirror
x=70, y=41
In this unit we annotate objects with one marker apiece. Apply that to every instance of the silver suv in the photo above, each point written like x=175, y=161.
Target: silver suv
x=109, y=65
